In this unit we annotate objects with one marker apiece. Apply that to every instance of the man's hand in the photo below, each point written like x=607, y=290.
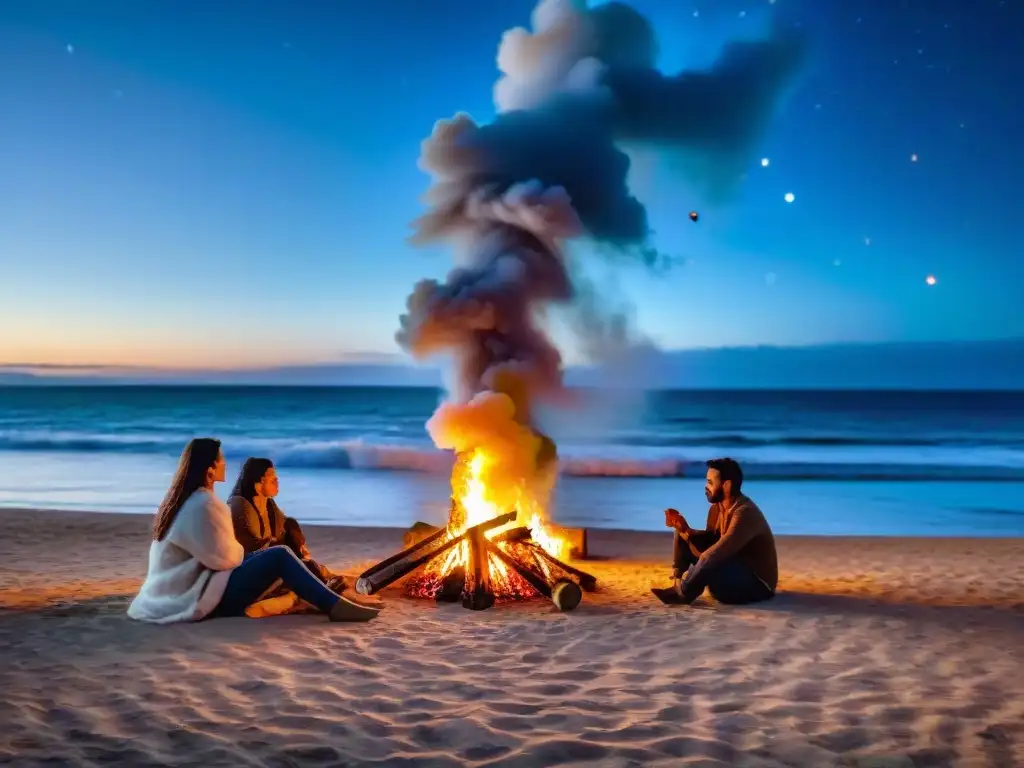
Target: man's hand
x=675, y=520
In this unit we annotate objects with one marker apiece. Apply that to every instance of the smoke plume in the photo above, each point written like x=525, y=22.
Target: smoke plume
x=549, y=169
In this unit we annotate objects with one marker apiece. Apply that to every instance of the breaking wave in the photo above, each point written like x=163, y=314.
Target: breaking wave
x=787, y=458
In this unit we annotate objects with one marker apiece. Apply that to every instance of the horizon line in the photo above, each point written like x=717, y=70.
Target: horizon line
x=813, y=388
x=400, y=359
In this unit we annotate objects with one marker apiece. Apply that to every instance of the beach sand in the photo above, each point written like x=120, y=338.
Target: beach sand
x=876, y=652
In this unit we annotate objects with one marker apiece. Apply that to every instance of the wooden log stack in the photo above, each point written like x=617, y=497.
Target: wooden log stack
x=473, y=583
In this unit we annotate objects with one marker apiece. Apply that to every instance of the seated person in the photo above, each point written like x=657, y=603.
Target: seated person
x=197, y=569
x=734, y=558
x=260, y=523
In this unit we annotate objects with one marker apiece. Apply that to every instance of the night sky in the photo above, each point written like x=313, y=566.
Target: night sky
x=233, y=184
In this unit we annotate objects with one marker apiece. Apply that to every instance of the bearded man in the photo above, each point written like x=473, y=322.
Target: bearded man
x=734, y=557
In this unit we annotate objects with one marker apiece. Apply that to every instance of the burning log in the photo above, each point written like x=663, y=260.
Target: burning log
x=393, y=568
x=531, y=576
x=514, y=534
x=452, y=585
x=587, y=582
x=467, y=574
x=388, y=571
x=576, y=538
x=478, y=594
x=546, y=561
x=565, y=594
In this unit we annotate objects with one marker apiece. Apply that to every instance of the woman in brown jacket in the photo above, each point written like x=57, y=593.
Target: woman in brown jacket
x=259, y=523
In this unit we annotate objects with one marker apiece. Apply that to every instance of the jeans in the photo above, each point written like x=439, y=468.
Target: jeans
x=260, y=570
x=295, y=540
x=730, y=582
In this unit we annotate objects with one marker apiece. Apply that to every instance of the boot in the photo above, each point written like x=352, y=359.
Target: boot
x=349, y=610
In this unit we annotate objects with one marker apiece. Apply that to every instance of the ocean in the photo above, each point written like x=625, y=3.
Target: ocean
x=826, y=463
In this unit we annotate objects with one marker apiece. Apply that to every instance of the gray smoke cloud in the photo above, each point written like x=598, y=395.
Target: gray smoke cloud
x=551, y=168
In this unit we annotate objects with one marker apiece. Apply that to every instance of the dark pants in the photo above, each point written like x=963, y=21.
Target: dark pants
x=259, y=571
x=295, y=540
x=731, y=581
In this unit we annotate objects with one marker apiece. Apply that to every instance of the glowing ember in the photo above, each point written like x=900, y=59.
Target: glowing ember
x=497, y=543
x=478, y=495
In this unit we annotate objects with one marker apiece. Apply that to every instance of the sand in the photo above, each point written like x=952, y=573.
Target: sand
x=876, y=652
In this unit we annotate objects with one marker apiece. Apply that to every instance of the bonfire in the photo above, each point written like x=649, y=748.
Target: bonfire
x=496, y=545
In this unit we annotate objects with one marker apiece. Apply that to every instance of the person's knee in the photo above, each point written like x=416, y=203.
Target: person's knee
x=281, y=554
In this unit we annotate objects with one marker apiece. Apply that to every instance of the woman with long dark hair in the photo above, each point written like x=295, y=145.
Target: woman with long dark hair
x=197, y=568
x=260, y=523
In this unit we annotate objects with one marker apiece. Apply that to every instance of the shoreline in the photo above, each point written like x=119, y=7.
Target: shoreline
x=781, y=537
x=900, y=649
x=963, y=531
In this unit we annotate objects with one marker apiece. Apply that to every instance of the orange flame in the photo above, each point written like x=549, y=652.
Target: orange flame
x=480, y=492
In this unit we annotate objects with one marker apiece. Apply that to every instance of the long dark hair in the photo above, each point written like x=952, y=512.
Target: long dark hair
x=252, y=471
x=199, y=455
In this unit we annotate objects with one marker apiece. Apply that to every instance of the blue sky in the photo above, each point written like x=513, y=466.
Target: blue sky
x=196, y=186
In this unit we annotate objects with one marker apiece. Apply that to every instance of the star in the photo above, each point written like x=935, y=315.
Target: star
x=790, y=197
x=69, y=48
x=913, y=158
x=930, y=280
x=765, y=162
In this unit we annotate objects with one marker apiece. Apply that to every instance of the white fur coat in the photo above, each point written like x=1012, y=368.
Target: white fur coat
x=189, y=569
